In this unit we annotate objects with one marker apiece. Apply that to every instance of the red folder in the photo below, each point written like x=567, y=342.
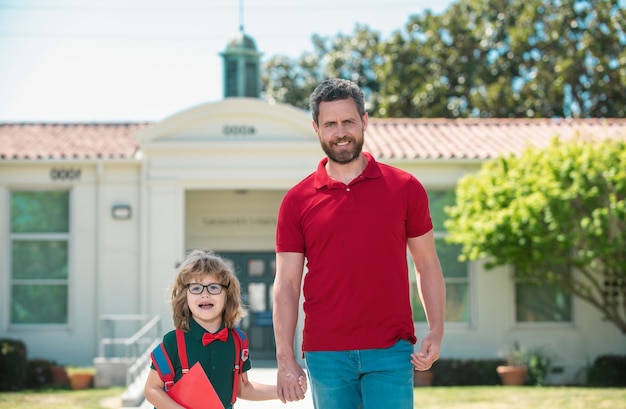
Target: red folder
x=194, y=390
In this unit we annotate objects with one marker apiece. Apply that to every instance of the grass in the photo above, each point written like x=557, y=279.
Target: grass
x=470, y=397
x=107, y=398
x=519, y=397
x=80, y=369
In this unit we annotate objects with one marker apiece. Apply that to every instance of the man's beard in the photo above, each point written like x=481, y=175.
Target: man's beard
x=345, y=155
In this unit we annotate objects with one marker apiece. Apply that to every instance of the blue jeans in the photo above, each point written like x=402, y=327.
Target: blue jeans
x=362, y=379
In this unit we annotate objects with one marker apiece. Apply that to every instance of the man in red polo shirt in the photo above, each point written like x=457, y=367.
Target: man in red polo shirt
x=352, y=221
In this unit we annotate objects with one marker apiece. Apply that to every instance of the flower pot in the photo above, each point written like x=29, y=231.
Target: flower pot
x=81, y=380
x=423, y=378
x=512, y=375
x=59, y=375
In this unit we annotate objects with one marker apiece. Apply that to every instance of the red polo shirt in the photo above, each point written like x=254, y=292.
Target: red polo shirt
x=354, y=236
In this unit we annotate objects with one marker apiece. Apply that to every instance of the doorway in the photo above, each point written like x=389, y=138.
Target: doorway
x=256, y=271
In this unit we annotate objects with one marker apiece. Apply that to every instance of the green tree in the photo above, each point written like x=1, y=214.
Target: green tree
x=569, y=56
x=353, y=57
x=516, y=58
x=485, y=58
x=556, y=214
x=414, y=71
x=291, y=81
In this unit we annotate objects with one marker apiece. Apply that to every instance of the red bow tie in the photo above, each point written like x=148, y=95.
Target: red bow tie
x=222, y=335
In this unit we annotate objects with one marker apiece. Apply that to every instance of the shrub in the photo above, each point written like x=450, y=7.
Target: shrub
x=12, y=364
x=539, y=364
x=608, y=370
x=39, y=373
x=462, y=372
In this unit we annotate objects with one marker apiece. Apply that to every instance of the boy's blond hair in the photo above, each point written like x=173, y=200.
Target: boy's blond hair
x=196, y=265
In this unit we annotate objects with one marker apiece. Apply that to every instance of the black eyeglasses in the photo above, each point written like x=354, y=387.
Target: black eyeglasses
x=213, y=289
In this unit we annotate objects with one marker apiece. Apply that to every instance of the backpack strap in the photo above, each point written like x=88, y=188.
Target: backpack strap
x=182, y=351
x=163, y=364
x=242, y=353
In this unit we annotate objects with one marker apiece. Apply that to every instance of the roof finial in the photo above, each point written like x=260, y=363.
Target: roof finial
x=241, y=16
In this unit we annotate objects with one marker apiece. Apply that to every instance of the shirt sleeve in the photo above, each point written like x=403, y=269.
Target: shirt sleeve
x=289, y=236
x=419, y=221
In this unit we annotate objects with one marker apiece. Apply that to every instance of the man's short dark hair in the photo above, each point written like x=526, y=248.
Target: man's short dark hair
x=336, y=89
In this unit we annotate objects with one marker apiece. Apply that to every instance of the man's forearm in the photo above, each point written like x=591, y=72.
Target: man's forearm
x=433, y=293
x=285, y=321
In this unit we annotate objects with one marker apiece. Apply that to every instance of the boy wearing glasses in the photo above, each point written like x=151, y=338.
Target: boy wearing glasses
x=206, y=305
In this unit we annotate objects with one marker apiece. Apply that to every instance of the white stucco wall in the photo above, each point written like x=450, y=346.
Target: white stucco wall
x=103, y=254
x=193, y=169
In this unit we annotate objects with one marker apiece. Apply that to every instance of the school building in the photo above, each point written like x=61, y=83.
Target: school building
x=94, y=218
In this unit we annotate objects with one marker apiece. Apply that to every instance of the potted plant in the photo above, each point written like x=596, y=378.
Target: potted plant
x=516, y=368
x=59, y=375
x=423, y=378
x=81, y=377
x=539, y=364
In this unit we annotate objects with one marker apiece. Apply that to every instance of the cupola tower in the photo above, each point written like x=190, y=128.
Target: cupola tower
x=242, y=73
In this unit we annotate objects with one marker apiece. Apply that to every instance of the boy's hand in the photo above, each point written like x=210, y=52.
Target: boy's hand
x=303, y=384
x=290, y=381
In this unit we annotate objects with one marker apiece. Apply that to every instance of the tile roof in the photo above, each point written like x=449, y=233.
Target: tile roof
x=394, y=138
x=480, y=139
x=69, y=140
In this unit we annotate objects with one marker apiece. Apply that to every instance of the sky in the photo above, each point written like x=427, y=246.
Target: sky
x=144, y=60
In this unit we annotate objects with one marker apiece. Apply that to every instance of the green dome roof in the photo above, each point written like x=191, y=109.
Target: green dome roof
x=241, y=41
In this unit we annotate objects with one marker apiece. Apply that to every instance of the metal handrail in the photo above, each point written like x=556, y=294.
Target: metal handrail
x=133, y=344
x=137, y=349
x=136, y=376
x=147, y=327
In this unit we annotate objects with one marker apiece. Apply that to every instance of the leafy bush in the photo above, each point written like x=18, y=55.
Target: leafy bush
x=529, y=211
x=462, y=372
x=39, y=373
x=539, y=364
x=608, y=370
x=12, y=364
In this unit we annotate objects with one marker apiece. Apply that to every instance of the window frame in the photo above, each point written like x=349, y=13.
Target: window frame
x=35, y=236
x=538, y=324
x=469, y=280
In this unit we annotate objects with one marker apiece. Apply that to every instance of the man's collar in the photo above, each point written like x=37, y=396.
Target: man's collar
x=323, y=180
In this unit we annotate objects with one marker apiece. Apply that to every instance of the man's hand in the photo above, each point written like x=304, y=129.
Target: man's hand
x=291, y=382
x=428, y=353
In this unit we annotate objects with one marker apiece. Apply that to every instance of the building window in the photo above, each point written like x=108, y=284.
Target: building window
x=536, y=301
x=455, y=272
x=232, y=78
x=252, y=79
x=39, y=249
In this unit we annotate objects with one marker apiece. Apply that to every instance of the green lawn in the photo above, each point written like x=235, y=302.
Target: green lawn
x=471, y=397
x=519, y=397
x=109, y=398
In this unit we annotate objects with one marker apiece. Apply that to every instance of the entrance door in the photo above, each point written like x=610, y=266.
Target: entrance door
x=256, y=271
